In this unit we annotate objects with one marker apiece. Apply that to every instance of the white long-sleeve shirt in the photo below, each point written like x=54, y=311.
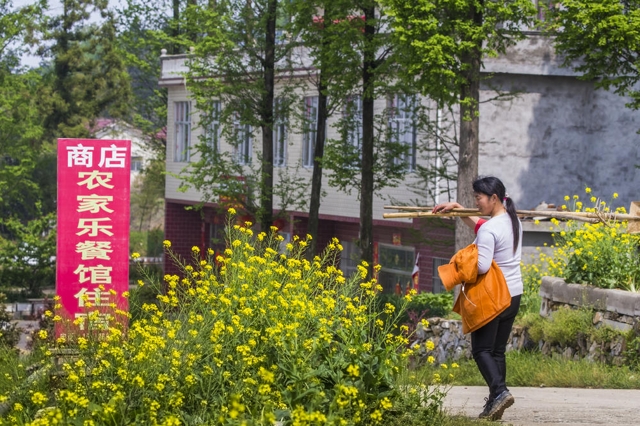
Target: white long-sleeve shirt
x=495, y=241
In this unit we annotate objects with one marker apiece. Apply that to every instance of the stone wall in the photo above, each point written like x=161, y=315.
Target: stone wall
x=617, y=309
x=451, y=344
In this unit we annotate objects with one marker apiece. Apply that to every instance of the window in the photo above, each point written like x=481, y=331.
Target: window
x=279, y=135
x=243, y=140
x=214, y=129
x=403, y=129
x=438, y=287
x=396, y=267
x=183, y=131
x=136, y=164
x=353, y=115
x=310, y=127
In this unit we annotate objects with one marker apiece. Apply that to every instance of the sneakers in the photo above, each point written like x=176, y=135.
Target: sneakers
x=487, y=407
x=501, y=403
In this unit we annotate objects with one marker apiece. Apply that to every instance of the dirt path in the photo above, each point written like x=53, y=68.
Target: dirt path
x=554, y=406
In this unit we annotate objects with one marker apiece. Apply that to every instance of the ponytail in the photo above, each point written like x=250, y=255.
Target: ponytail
x=490, y=185
x=515, y=223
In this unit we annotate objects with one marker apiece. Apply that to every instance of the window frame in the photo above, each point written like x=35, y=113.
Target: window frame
x=353, y=131
x=401, y=119
x=182, y=124
x=243, y=142
x=214, y=127
x=310, y=131
x=280, y=135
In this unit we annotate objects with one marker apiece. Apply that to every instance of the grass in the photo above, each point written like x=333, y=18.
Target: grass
x=536, y=369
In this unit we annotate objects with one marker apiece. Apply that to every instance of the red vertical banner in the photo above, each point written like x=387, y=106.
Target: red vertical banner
x=92, y=271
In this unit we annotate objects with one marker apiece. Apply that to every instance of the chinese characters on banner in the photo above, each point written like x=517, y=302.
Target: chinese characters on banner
x=93, y=231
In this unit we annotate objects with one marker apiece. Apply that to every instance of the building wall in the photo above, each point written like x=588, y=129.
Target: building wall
x=187, y=228
x=552, y=136
x=558, y=136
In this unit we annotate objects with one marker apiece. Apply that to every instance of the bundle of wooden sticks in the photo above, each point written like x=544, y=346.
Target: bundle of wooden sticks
x=593, y=217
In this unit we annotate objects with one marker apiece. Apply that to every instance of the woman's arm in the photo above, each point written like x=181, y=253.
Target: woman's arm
x=447, y=207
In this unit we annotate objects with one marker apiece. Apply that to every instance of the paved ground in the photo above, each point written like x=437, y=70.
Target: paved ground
x=553, y=406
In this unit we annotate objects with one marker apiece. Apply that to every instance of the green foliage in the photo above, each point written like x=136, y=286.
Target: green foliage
x=231, y=76
x=154, y=242
x=144, y=29
x=422, y=304
x=632, y=351
x=600, y=39
x=439, y=38
x=9, y=333
x=536, y=369
x=566, y=324
x=531, y=279
x=301, y=343
x=602, y=255
x=27, y=164
x=147, y=195
x=89, y=78
x=599, y=254
x=27, y=259
x=137, y=242
x=16, y=29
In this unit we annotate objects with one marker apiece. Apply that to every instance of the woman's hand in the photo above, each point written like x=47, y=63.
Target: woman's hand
x=446, y=207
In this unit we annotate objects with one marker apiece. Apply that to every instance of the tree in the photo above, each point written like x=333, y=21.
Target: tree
x=600, y=38
x=144, y=30
x=89, y=77
x=28, y=257
x=363, y=158
x=23, y=100
x=312, y=27
x=232, y=77
x=443, y=46
x=147, y=195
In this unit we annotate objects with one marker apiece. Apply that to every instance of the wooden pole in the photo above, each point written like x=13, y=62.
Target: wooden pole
x=582, y=216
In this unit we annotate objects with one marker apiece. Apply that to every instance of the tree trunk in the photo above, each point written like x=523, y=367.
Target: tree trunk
x=366, y=184
x=316, y=178
x=469, y=138
x=266, y=184
x=318, y=152
x=175, y=27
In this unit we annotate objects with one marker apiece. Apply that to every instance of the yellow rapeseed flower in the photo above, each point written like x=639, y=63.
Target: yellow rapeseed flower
x=353, y=370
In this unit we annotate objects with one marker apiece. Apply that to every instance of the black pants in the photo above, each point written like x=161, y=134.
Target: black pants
x=488, y=345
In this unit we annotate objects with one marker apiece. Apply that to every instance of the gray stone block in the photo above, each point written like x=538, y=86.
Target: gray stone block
x=622, y=302
x=616, y=325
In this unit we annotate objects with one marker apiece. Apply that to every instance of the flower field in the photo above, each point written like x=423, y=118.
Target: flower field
x=256, y=335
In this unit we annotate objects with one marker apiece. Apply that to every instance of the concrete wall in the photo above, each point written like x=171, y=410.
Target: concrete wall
x=559, y=134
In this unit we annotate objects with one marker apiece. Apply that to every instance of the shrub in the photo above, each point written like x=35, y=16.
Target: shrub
x=566, y=324
x=422, y=305
x=601, y=254
x=531, y=280
x=9, y=333
x=248, y=336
